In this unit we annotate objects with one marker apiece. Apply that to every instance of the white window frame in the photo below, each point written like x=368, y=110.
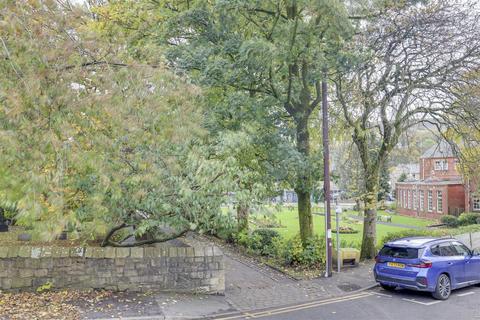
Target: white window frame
x=415, y=198
x=422, y=200
x=408, y=200
x=410, y=196
x=404, y=193
x=439, y=201
x=441, y=165
x=430, y=201
x=475, y=202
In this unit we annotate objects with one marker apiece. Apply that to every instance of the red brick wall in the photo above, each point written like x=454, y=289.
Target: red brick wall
x=427, y=169
x=453, y=199
x=456, y=199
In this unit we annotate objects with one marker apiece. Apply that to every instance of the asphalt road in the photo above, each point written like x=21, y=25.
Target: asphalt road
x=376, y=304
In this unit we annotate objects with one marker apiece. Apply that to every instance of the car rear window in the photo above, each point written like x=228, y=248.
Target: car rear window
x=398, y=252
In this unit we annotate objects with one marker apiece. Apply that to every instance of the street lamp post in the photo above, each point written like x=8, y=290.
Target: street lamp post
x=326, y=179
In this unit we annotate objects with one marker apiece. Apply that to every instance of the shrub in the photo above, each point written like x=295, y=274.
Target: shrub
x=345, y=230
x=294, y=254
x=263, y=243
x=466, y=219
x=225, y=228
x=408, y=233
x=450, y=221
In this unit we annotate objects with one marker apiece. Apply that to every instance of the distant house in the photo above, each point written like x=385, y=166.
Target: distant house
x=440, y=188
x=289, y=196
x=286, y=196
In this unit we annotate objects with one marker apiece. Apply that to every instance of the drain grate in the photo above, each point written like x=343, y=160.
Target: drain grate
x=348, y=287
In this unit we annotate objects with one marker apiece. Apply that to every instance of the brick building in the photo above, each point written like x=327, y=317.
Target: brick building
x=440, y=190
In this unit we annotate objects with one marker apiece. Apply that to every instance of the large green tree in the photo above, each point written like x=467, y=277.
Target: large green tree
x=94, y=140
x=407, y=59
x=273, y=51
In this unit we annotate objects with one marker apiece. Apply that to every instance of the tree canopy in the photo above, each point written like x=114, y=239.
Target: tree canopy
x=92, y=138
x=404, y=67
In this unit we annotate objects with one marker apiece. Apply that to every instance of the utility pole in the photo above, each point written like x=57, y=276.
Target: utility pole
x=326, y=179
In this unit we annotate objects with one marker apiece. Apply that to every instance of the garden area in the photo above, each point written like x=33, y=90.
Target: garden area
x=351, y=220
x=274, y=235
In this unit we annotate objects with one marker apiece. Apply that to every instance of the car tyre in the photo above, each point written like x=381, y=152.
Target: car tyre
x=387, y=287
x=443, y=288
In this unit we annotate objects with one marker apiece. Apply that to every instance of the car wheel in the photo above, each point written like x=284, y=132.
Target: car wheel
x=444, y=287
x=387, y=287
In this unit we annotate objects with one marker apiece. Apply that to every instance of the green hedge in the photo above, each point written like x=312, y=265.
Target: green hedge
x=450, y=221
x=468, y=218
x=442, y=232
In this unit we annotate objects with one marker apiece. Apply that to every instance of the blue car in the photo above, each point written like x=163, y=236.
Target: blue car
x=427, y=264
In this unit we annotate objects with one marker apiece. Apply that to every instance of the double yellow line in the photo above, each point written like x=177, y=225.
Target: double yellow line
x=297, y=307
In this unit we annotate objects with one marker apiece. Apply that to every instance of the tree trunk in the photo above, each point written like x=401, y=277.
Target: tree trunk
x=370, y=217
x=305, y=216
x=304, y=181
x=242, y=218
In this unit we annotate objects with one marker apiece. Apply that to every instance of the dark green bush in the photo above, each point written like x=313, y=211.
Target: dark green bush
x=263, y=243
x=466, y=219
x=224, y=227
x=450, y=221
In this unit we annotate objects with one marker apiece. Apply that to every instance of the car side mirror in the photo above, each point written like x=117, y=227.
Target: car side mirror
x=476, y=252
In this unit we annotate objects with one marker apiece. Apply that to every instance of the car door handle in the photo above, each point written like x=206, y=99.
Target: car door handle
x=450, y=263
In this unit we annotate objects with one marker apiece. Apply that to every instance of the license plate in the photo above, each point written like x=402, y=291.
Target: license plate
x=396, y=265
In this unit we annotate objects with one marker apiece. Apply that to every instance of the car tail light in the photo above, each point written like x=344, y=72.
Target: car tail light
x=378, y=260
x=423, y=264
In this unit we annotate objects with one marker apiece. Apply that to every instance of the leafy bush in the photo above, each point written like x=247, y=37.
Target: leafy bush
x=466, y=219
x=430, y=233
x=450, y=221
x=408, y=233
x=263, y=241
x=294, y=254
x=225, y=228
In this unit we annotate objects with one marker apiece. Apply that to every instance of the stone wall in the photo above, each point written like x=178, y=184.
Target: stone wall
x=164, y=268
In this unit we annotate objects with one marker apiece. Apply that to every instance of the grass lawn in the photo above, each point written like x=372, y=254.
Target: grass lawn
x=289, y=220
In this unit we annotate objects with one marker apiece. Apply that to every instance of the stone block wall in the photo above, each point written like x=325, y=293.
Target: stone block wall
x=164, y=268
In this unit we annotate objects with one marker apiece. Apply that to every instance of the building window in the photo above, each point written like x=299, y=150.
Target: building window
x=415, y=203
x=439, y=201
x=441, y=165
x=422, y=200
x=408, y=199
x=430, y=201
x=476, y=202
x=404, y=193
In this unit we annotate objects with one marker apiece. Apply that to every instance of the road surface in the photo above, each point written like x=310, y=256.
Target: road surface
x=375, y=304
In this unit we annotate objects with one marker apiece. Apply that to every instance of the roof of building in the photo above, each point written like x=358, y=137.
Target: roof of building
x=441, y=150
x=434, y=182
